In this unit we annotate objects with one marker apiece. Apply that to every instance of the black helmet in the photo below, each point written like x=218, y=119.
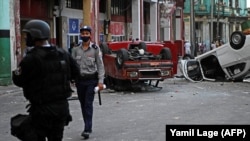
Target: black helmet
x=37, y=29
x=87, y=28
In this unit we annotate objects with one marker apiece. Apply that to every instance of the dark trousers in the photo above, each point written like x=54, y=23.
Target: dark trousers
x=48, y=121
x=85, y=92
x=54, y=132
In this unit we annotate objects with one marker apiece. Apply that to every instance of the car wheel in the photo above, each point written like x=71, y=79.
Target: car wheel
x=104, y=48
x=143, y=46
x=237, y=40
x=165, y=54
x=122, y=56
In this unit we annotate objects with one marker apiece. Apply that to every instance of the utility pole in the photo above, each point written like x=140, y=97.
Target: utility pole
x=107, y=21
x=192, y=29
x=87, y=11
x=90, y=16
x=212, y=23
x=218, y=18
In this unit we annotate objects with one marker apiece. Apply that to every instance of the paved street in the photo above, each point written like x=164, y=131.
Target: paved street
x=127, y=116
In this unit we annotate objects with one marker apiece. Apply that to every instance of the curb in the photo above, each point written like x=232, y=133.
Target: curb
x=9, y=89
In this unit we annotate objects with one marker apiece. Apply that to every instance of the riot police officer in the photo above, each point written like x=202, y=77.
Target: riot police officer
x=45, y=74
x=89, y=57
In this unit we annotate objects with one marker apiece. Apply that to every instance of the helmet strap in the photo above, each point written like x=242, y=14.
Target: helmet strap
x=29, y=40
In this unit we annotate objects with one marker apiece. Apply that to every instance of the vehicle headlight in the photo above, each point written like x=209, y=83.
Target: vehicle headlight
x=132, y=74
x=165, y=73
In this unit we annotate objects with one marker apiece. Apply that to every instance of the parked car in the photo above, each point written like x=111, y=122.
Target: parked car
x=136, y=65
x=230, y=61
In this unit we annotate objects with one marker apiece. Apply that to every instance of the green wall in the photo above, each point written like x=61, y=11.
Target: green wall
x=5, y=59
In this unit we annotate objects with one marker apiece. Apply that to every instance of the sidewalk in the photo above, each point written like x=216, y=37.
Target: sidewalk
x=9, y=89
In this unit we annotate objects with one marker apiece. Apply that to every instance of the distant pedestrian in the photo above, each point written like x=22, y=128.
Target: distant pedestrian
x=204, y=47
x=217, y=43
x=213, y=45
x=187, y=47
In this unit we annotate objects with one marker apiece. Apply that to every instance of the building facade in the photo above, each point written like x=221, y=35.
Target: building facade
x=111, y=20
x=215, y=19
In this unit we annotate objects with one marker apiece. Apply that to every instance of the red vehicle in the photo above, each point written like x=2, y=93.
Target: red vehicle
x=136, y=65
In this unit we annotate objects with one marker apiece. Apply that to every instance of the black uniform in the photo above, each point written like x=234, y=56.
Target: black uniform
x=45, y=74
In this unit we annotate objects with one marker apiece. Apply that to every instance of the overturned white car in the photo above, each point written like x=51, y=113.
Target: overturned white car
x=230, y=61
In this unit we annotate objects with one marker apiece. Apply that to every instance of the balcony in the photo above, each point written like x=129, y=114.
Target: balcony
x=218, y=9
x=202, y=9
x=222, y=10
x=227, y=11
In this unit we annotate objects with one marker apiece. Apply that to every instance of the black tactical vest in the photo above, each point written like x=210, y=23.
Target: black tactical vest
x=51, y=81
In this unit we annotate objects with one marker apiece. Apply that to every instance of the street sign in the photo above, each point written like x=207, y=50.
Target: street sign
x=73, y=26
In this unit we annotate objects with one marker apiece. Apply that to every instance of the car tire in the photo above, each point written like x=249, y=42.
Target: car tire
x=104, y=48
x=122, y=56
x=143, y=46
x=166, y=54
x=237, y=40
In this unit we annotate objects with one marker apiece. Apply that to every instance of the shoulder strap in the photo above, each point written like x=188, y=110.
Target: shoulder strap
x=65, y=63
x=94, y=46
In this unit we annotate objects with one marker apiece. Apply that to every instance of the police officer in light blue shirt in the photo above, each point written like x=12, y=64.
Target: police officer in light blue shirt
x=89, y=57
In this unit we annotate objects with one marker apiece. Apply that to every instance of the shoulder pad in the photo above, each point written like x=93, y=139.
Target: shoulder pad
x=60, y=50
x=29, y=49
x=94, y=46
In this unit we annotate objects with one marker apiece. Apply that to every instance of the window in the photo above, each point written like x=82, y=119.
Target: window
x=237, y=3
x=102, y=6
x=146, y=12
x=118, y=38
x=118, y=7
x=74, y=4
x=230, y=3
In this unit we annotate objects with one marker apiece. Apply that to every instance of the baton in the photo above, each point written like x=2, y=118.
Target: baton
x=99, y=93
x=99, y=97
